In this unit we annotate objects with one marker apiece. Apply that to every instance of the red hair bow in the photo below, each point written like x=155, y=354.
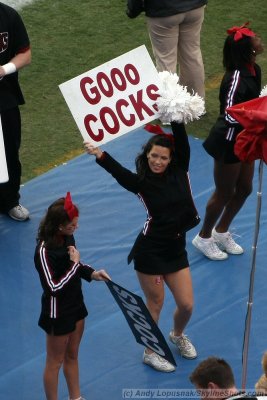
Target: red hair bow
x=159, y=131
x=70, y=208
x=240, y=31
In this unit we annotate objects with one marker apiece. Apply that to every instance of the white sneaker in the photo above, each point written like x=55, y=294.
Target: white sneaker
x=185, y=347
x=209, y=248
x=79, y=398
x=19, y=213
x=157, y=362
x=226, y=242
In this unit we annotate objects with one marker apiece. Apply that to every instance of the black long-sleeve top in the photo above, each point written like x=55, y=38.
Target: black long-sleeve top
x=60, y=279
x=237, y=87
x=166, y=8
x=13, y=40
x=167, y=198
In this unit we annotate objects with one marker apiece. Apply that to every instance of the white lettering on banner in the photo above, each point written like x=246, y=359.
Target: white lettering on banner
x=140, y=324
x=115, y=98
x=141, y=321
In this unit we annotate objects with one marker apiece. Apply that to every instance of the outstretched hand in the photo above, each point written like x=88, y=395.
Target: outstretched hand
x=100, y=275
x=91, y=149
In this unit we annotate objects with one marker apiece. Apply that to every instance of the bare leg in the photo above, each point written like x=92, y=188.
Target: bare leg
x=153, y=288
x=226, y=177
x=180, y=284
x=70, y=364
x=242, y=191
x=55, y=349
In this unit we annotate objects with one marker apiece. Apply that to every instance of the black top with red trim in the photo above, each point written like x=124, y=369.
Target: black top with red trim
x=13, y=40
x=60, y=279
x=167, y=198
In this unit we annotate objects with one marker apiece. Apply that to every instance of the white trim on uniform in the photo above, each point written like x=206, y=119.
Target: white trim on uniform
x=229, y=103
x=53, y=284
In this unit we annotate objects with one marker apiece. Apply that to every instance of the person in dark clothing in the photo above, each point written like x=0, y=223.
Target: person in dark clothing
x=233, y=178
x=15, y=53
x=63, y=310
x=159, y=253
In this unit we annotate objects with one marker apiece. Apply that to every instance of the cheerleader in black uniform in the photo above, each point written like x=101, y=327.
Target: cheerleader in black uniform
x=159, y=252
x=63, y=310
x=232, y=178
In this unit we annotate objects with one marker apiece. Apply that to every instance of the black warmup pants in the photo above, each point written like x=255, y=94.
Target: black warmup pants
x=11, y=125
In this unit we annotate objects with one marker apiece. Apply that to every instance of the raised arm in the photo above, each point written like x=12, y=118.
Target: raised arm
x=181, y=143
x=123, y=176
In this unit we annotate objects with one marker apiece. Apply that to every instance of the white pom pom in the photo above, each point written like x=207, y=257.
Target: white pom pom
x=263, y=91
x=175, y=103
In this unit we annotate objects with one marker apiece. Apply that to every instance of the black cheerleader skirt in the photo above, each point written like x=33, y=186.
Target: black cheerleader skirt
x=156, y=256
x=62, y=325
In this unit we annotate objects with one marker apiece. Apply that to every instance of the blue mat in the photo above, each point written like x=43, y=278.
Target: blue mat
x=110, y=218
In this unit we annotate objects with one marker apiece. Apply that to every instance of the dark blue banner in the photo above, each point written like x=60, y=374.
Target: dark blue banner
x=145, y=330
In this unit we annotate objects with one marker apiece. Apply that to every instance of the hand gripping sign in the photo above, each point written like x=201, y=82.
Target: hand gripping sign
x=3, y=166
x=145, y=330
x=114, y=98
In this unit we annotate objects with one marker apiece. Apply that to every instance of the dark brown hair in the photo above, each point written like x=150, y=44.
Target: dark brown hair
x=214, y=370
x=141, y=161
x=48, y=229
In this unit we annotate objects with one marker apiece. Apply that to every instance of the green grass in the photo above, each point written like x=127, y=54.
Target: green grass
x=70, y=37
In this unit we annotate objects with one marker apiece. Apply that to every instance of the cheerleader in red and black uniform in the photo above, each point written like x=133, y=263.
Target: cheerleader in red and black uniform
x=63, y=310
x=159, y=253
x=232, y=178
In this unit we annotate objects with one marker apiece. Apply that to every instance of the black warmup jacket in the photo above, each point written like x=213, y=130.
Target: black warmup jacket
x=167, y=198
x=60, y=279
x=166, y=8
x=236, y=87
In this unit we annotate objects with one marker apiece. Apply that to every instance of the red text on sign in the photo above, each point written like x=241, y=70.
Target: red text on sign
x=112, y=118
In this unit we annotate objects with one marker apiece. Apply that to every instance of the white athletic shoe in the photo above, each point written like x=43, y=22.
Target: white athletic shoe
x=79, y=398
x=184, y=345
x=157, y=362
x=226, y=242
x=19, y=213
x=209, y=248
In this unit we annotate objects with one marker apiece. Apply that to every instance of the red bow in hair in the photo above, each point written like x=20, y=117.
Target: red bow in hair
x=251, y=143
x=159, y=131
x=240, y=31
x=70, y=208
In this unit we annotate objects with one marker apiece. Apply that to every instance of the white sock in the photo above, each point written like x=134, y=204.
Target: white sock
x=221, y=233
x=206, y=239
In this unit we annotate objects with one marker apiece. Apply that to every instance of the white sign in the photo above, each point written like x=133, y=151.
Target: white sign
x=3, y=167
x=114, y=98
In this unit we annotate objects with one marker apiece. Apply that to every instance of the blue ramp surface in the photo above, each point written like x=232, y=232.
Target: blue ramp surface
x=110, y=360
